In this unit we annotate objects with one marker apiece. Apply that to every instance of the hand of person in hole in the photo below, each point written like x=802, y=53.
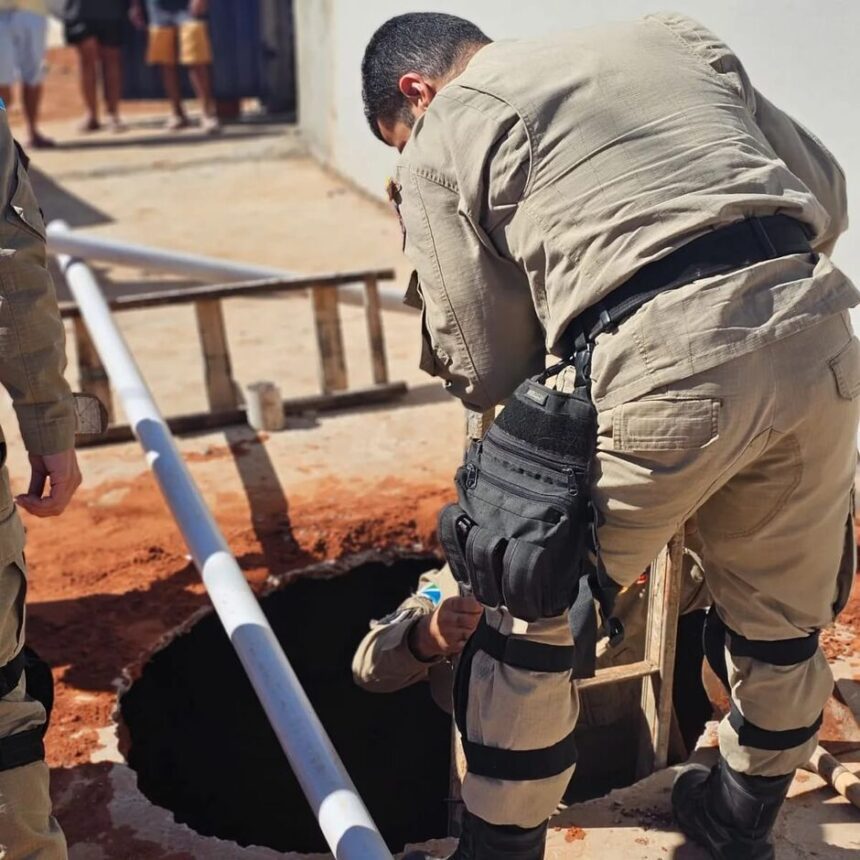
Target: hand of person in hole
x=446, y=631
x=62, y=471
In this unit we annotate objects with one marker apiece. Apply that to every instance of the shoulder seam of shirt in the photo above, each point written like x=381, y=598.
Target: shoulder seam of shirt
x=530, y=136
x=668, y=25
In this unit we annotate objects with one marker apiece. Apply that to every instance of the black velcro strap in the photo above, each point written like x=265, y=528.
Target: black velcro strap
x=582, y=621
x=751, y=735
x=22, y=748
x=520, y=765
x=781, y=652
x=10, y=674
x=522, y=654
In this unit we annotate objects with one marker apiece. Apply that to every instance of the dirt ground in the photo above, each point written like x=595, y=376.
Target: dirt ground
x=112, y=578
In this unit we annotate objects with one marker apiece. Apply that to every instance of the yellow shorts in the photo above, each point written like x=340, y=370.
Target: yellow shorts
x=190, y=40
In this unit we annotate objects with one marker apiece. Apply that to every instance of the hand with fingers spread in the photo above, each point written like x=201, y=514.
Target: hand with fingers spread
x=60, y=473
x=446, y=631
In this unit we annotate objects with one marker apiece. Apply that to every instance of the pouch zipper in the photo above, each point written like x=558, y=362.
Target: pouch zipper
x=567, y=471
x=473, y=472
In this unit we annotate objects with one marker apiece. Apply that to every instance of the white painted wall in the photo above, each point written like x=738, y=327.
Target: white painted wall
x=801, y=54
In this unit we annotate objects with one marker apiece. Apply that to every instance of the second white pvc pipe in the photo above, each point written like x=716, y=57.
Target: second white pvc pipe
x=207, y=270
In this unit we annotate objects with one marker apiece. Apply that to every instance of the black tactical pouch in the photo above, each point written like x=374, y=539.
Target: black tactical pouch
x=520, y=534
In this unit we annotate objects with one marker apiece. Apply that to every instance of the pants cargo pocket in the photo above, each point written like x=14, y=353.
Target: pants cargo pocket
x=670, y=424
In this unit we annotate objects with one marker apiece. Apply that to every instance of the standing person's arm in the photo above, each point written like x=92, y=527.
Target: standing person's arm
x=32, y=346
x=136, y=14
x=811, y=162
x=461, y=177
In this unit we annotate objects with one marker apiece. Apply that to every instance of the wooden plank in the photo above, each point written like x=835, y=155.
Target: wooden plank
x=330, y=353
x=92, y=375
x=194, y=423
x=617, y=674
x=263, y=286
x=220, y=387
x=664, y=598
x=375, y=336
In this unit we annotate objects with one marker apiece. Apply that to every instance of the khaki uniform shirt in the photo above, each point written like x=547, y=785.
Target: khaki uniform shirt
x=32, y=338
x=550, y=171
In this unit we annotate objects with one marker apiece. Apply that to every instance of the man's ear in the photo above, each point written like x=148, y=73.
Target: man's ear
x=417, y=90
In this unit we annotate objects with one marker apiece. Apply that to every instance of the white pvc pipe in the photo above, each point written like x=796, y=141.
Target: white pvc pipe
x=344, y=820
x=209, y=270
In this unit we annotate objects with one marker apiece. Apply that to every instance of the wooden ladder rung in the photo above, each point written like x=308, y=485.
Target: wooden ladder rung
x=617, y=674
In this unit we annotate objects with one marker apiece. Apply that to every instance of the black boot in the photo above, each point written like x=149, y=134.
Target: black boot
x=729, y=813
x=480, y=840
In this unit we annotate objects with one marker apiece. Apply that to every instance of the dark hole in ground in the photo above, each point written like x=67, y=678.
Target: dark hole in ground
x=202, y=747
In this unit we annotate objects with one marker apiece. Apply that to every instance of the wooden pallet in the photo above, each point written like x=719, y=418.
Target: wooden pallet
x=223, y=393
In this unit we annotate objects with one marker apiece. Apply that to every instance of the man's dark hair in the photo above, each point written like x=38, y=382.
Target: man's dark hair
x=427, y=42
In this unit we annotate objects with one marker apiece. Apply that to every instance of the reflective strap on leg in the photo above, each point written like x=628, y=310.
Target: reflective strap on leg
x=751, y=735
x=519, y=765
x=494, y=762
x=22, y=748
x=521, y=653
x=10, y=674
x=779, y=652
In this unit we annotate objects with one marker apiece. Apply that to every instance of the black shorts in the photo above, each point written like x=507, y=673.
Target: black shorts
x=109, y=34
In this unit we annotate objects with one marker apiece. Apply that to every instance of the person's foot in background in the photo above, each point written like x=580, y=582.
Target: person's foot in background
x=177, y=122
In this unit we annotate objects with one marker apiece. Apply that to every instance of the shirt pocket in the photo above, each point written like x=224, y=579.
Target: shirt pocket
x=23, y=211
x=846, y=370
x=671, y=424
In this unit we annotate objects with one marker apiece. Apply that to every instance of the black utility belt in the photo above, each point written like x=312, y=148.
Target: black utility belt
x=717, y=252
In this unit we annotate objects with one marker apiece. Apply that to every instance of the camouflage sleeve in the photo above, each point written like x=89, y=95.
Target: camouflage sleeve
x=383, y=661
x=32, y=338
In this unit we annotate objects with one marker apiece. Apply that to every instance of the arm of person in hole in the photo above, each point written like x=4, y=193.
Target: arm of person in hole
x=459, y=180
x=32, y=342
x=415, y=641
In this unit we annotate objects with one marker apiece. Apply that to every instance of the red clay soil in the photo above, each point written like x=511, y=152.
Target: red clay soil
x=112, y=577
x=108, y=581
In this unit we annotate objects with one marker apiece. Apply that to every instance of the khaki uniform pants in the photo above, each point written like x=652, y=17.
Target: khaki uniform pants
x=27, y=828
x=763, y=450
